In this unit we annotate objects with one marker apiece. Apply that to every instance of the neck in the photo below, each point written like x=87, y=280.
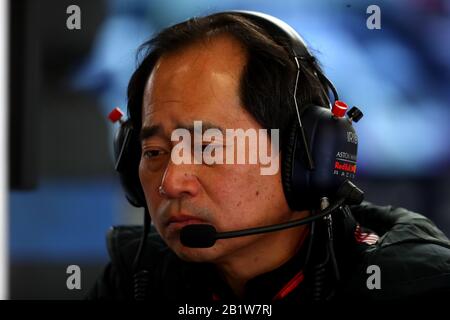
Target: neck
x=255, y=260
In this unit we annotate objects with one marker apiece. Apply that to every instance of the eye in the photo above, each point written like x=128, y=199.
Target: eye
x=204, y=145
x=210, y=144
x=154, y=153
x=215, y=144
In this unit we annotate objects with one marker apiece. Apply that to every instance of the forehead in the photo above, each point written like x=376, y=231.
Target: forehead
x=197, y=82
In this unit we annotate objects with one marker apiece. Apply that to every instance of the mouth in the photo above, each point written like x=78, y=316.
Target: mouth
x=180, y=221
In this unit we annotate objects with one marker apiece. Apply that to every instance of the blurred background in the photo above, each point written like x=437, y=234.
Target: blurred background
x=64, y=194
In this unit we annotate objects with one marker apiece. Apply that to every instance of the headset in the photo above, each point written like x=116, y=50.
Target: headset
x=318, y=158
x=314, y=157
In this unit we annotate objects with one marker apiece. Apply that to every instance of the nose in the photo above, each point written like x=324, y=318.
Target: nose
x=179, y=180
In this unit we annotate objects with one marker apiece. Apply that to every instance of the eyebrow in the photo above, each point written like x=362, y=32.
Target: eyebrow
x=150, y=131
x=205, y=126
x=156, y=130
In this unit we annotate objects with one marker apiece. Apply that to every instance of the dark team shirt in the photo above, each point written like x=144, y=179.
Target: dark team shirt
x=411, y=252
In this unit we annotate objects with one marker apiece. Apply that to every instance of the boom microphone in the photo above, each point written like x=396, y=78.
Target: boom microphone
x=205, y=235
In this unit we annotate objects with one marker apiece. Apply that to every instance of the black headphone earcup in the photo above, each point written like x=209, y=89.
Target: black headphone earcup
x=296, y=176
x=332, y=145
x=287, y=163
x=127, y=157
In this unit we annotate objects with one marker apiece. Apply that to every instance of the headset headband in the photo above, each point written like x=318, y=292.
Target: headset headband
x=280, y=29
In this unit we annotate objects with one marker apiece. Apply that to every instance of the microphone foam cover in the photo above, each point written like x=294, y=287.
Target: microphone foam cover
x=198, y=235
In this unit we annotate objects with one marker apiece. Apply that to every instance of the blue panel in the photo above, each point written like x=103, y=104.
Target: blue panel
x=63, y=219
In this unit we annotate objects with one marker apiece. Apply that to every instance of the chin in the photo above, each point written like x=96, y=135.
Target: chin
x=195, y=254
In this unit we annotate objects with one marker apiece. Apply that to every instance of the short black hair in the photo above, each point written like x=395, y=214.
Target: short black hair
x=267, y=80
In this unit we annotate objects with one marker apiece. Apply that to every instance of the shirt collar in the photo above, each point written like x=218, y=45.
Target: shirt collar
x=273, y=285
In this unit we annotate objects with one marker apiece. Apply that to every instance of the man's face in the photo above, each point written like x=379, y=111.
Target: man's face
x=201, y=83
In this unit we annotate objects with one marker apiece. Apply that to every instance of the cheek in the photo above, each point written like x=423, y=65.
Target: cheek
x=234, y=186
x=248, y=199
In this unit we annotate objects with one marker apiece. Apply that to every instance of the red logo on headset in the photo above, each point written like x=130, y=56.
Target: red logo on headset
x=345, y=167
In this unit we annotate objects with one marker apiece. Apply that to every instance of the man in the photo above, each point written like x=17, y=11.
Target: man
x=230, y=73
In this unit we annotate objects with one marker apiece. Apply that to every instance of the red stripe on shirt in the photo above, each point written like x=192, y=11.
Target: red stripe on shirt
x=291, y=285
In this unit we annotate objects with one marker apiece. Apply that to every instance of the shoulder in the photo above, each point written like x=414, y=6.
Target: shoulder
x=123, y=243
x=412, y=255
x=117, y=280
